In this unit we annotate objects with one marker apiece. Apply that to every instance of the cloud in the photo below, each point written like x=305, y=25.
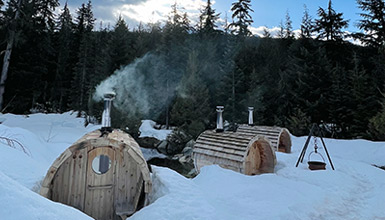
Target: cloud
x=138, y=11
x=259, y=31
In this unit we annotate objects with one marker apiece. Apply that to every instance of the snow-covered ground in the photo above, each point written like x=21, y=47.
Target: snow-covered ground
x=355, y=190
x=146, y=129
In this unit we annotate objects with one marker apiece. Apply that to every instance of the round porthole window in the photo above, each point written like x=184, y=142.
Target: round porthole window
x=101, y=164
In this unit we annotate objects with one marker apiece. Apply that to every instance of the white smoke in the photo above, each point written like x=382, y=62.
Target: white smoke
x=128, y=84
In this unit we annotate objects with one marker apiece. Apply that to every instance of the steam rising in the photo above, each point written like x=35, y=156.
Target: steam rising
x=140, y=87
x=145, y=87
x=128, y=84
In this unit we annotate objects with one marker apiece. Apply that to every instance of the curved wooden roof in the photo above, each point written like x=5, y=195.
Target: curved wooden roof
x=273, y=133
x=228, y=147
x=116, y=139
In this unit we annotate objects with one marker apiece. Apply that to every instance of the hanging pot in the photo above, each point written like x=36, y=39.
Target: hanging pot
x=316, y=165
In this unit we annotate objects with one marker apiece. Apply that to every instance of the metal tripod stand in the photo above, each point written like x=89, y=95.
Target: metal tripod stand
x=313, y=129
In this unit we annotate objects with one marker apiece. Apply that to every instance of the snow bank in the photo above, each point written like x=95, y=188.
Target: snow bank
x=147, y=130
x=45, y=136
x=353, y=191
x=18, y=202
x=369, y=152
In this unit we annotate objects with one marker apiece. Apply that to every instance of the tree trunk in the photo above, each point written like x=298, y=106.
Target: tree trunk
x=8, y=52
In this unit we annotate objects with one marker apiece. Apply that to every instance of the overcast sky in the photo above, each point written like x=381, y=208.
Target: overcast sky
x=267, y=13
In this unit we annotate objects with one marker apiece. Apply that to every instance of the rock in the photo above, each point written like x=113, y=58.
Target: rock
x=185, y=159
x=187, y=151
x=148, y=142
x=163, y=147
x=192, y=173
x=190, y=144
x=177, y=140
x=177, y=156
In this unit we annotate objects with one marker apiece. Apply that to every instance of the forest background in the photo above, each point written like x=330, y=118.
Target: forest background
x=176, y=73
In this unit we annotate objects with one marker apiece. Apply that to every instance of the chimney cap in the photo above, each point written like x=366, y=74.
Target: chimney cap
x=251, y=108
x=220, y=107
x=109, y=95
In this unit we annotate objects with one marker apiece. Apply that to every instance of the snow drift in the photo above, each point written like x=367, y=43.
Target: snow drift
x=355, y=190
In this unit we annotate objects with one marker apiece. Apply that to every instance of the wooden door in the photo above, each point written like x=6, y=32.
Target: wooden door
x=99, y=200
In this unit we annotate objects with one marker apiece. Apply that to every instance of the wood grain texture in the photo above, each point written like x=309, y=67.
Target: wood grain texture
x=279, y=137
x=243, y=152
x=72, y=181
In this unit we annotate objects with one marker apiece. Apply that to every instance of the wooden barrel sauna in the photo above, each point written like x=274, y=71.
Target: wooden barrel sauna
x=103, y=175
x=242, y=152
x=279, y=137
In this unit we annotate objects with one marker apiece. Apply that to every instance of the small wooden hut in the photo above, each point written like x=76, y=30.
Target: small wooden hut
x=240, y=151
x=103, y=175
x=279, y=137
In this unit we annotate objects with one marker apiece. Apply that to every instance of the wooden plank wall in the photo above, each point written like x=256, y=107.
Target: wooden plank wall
x=71, y=180
x=68, y=186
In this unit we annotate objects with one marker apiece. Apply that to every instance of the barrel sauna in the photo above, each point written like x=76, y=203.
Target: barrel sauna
x=279, y=137
x=104, y=175
x=240, y=151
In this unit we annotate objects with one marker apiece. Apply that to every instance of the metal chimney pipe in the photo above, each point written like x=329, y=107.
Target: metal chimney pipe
x=251, y=121
x=106, y=117
x=220, y=109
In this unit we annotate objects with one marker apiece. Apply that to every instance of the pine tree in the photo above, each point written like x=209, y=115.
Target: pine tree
x=37, y=63
x=372, y=23
x=313, y=81
x=209, y=19
x=281, y=32
x=363, y=94
x=191, y=109
x=241, y=17
x=329, y=25
x=84, y=66
x=1, y=13
x=306, y=25
x=266, y=33
x=14, y=9
x=120, y=45
x=288, y=32
x=341, y=102
x=177, y=22
x=64, y=66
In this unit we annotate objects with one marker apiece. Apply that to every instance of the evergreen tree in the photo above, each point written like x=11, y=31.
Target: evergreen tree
x=14, y=11
x=281, y=32
x=341, y=101
x=329, y=25
x=1, y=13
x=313, y=81
x=191, y=109
x=266, y=33
x=363, y=94
x=60, y=90
x=306, y=25
x=177, y=22
x=372, y=23
x=84, y=68
x=42, y=36
x=241, y=17
x=208, y=18
x=120, y=45
x=288, y=32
